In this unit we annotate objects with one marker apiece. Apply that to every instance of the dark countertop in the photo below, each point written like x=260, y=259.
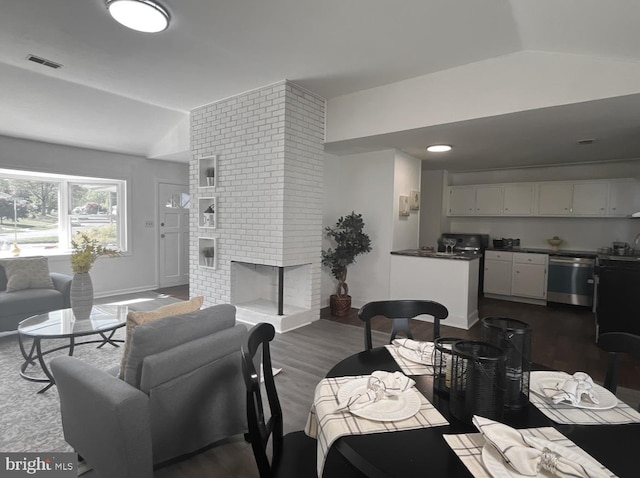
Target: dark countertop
x=604, y=258
x=435, y=255
x=561, y=252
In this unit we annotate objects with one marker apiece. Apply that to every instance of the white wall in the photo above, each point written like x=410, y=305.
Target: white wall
x=609, y=170
x=370, y=184
x=507, y=84
x=406, y=178
x=586, y=234
x=137, y=270
x=578, y=234
x=362, y=183
x=431, y=197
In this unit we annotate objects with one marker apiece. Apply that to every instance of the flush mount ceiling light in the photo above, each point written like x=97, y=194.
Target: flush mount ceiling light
x=439, y=148
x=141, y=15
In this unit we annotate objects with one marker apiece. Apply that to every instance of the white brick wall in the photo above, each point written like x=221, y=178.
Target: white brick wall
x=269, y=144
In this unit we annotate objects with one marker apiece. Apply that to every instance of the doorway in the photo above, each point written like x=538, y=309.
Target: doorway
x=174, y=205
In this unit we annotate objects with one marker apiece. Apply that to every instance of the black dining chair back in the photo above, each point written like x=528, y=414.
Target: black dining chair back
x=400, y=311
x=617, y=343
x=293, y=455
x=261, y=430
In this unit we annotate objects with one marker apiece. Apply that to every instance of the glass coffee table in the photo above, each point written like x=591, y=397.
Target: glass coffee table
x=62, y=324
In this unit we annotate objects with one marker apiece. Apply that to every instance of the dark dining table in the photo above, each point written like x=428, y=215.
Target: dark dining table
x=424, y=452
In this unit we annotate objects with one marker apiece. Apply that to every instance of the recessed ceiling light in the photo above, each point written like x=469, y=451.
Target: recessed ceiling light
x=439, y=148
x=141, y=15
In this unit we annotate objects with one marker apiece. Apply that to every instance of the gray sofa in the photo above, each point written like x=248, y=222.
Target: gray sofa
x=18, y=305
x=182, y=390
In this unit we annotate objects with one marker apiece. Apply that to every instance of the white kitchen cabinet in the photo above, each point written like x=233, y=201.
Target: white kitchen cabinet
x=518, y=199
x=596, y=198
x=489, y=200
x=462, y=200
x=529, y=278
x=498, y=267
x=624, y=198
x=590, y=199
x=555, y=199
x=516, y=276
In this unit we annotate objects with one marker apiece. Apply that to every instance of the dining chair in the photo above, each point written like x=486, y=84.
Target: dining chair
x=617, y=343
x=294, y=454
x=400, y=311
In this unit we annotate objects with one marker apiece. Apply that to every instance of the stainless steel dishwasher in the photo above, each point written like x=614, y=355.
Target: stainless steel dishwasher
x=571, y=280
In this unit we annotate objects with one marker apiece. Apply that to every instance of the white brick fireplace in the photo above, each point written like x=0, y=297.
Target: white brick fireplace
x=269, y=148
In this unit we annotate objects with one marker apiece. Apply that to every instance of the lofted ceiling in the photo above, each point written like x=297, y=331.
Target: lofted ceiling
x=129, y=92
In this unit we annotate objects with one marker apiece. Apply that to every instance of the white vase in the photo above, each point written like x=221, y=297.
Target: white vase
x=81, y=295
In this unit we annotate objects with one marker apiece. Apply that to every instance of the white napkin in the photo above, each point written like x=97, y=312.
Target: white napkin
x=381, y=385
x=425, y=349
x=528, y=455
x=573, y=390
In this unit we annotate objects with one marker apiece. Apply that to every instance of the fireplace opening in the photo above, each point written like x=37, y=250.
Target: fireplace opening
x=271, y=290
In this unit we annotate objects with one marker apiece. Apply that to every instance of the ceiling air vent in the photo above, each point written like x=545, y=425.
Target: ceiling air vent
x=42, y=61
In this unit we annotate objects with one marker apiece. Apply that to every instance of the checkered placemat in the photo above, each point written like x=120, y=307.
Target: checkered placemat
x=327, y=426
x=468, y=447
x=407, y=366
x=567, y=414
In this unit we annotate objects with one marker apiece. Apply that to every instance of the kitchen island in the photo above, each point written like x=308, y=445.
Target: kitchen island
x=450, y=279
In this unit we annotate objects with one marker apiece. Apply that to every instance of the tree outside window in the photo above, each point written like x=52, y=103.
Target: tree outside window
x=43, y=212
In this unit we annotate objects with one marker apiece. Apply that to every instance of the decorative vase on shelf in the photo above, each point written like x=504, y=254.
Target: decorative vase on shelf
x=81, y=295
x=209, y=254
x=211, y=176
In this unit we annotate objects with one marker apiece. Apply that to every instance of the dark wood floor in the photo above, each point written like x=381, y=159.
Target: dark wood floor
x=563, y=336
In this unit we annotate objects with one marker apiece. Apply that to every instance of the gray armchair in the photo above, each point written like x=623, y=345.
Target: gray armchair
x=182, y=390
x=19, y=305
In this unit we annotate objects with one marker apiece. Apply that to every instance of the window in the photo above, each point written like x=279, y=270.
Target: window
x=41, y=212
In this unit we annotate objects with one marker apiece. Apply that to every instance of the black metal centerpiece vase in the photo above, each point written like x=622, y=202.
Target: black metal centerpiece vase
x=85, y=251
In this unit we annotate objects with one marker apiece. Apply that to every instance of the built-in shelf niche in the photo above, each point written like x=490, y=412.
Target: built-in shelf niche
x=208, y=171
x=206, y=218
x=208, y=252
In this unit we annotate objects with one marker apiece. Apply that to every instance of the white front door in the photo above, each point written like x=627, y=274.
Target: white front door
x=174, y=204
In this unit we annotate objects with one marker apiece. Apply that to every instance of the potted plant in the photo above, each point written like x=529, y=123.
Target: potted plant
x=209, y=254
x=350, y=241
x=210, y=173
x=85, y=252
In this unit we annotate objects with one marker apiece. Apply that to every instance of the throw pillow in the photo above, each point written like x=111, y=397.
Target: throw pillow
x=139, y=318
x=27, y=273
